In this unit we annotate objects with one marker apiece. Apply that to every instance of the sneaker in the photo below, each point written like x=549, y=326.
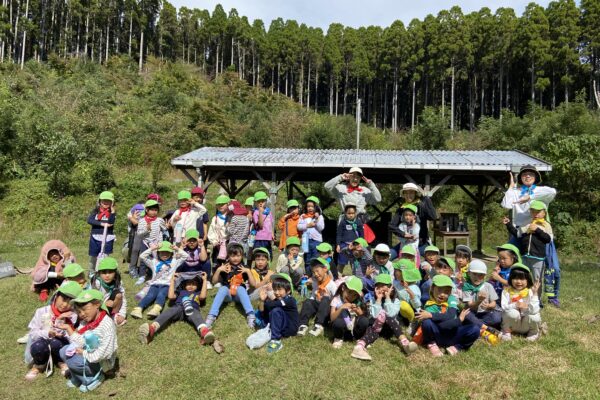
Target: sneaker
x=453, y=351
x=92, y=386
x=359, y=352
x=302, y=330
x=206, y=335
x=506, y=337
x=408, y=346
x=210, y=320
x=554, y=302
x=533, y=337
x=218, y=347
x=146, y=333
x=317, y=330
x=23, y=339
x=140, y=281
x=137, y=313
x=70, y=384
x=338, y=343
x=250, y=318
x=435, y=350
x=217, y=285
x=154, y=311
x=274, y=346
x=490, y=338
x=32, y=374
x=209, y=286
x=44, y=295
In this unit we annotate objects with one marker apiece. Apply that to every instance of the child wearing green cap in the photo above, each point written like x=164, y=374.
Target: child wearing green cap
x=150, y=229
x=168, y=259
x=317, y=305
x=409, y=228
x=445, y=266
x=430, y=259
x=107, y=280
x=348, y=313
x=45, y=337
x=217, y=230
x=290, y=262
x=508, y=254
x=238, y=227
x=311, y=226
x=288, y=224
x=75, y=273
x=360, y=259
x=197, y=258
x=102, y=220
x=521, y=305
x=93, y=348
x=384, y=311
x=440, y=322
x=186, y=216
x=262, y=220
x=325, y=251
x=279, y=310
x=406, y=279
x=261, y=272
x=348, y=230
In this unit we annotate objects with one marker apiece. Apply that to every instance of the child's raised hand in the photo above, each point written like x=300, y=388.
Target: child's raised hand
x=203, y=275
x=536, y=286
x=463, y=314
x=119, y=319
x=337, y=248
x=226, y=268
x=522, y=305
x=370, y=270
x=511, y=181
x=505, y=220
x=262, y=294
x=523, y=199
x=481, y=297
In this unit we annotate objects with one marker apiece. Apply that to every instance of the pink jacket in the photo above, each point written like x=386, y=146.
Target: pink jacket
x=40, y=271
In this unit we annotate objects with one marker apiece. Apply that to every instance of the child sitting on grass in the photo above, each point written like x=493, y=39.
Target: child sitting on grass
x=47, y=274
x=406, y=281
x=323, y=290
x=280, y=311
x=108, y=281
x=75, y=273
x=290, y=262
x=45, y=338
x=325, y=251
x=197, y=258
x=462, y=257
x=508, y=255
x=348, y=312
x=432, y=255
x=521, y=305
x=188, y=291
x=261, y=272
x=360, y=259
x=445, y=266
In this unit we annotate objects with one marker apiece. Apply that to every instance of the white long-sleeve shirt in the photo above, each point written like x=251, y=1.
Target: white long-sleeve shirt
x=521, y=215
x=163, y=277
x=188, y=218
x=532, y=300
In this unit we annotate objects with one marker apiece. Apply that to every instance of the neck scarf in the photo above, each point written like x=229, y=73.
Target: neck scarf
x=222, y=216
x=527, y=190
x=56, y=313
x=469, y=287
x=109, y=287
x=103, y=213
x=433, y=306
x=149, y=220
x=160, y=264
x=321, y=289
x=516, y=295
x=184, y=209
x=92, y=325
x=351, y=189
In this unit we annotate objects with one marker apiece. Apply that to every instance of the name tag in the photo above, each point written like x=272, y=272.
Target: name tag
x=348, y=227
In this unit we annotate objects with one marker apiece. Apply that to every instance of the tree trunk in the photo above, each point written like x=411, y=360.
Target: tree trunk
x=345, y=90
x=532, y=82
x=217, y=62
x=16, y=32
x=316, y=86
x=395, y=102
x=24, y=36
x=443, y=100
x=87, y=30
x=107, y=42
x=232, y=47
x=141, y=62
x=412, y=124
x=130, y=31
x=330, y=94
x=308, y=88
x=553, y=91
x=301, y=94
x=337, y=98
x=452, y=102
x=278, y=76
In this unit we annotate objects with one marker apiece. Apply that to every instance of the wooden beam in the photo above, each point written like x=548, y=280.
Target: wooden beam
x=495, y=182
x=238, y=190
x=468, y=192
x=298, y=189
x=210, y=179
x=188, y=175
x=438, y=186
x=493, y=192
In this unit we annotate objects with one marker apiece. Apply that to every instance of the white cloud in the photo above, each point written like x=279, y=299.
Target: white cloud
x=348, y=12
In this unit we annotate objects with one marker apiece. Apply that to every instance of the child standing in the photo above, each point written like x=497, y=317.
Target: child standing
x=409, y=228
x=288, y=224
x=48, y=271
x=290, y=262
x=311, y=225
x=45, y=338
x=108, y=281
x=360, y=259
x=521, y=305
x=188, y=290
x=217, y=230
x=93, y=349
x=238, y=227
x=263, y=223
x=349, y=229
x=508, y=255
x=102, y=220
x=323, y=290
x=347, y=312
x=202, y=221
x=162, y=267
x=280, y=311
x=150, y=229
x=186, y=215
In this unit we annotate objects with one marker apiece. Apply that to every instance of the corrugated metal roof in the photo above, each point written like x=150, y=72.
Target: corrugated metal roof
x=436, y=160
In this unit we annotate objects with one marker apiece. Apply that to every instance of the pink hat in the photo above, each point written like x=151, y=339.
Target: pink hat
x=237, y=208
x=154, y=196
x=198, y=190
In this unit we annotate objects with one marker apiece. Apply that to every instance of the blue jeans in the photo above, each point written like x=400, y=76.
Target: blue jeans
x=223, y=295
x=462, y=337
x=312, y=253
x=281, y=326
x=156, y=294
x=82, y=371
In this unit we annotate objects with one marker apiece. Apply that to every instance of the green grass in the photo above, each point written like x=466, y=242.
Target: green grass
x=564, y=364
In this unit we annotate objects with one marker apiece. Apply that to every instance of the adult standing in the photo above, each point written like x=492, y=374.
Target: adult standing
x=346, y=189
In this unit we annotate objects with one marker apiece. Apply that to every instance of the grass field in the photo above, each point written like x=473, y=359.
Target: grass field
x=563, y=364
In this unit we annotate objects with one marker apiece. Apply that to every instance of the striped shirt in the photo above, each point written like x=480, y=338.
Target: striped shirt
x=106, y=353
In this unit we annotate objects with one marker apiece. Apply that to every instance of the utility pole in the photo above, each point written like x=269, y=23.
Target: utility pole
x=358, y=119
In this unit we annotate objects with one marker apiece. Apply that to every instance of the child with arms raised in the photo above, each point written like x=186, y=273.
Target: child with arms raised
x=290, y=262
x=323, y=290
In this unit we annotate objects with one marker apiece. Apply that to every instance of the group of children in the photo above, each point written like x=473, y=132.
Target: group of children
x=418, y=299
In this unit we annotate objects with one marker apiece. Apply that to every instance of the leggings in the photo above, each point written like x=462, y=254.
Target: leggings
x=374, y=331
x=176, y=313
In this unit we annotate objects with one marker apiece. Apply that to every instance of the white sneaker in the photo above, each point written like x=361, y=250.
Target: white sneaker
x=217, y=285
x=140, y=280
x=533, y=338
x=302, y=330
x=209, y=285
x=506, y=336
x=23, y=339
x=317, y=330
x=337, y=343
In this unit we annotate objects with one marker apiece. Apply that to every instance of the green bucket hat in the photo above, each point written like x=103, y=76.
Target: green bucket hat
x=355, y=284
x=384, y=279
x=408, y=249
x=442, y=281
x=432, y=249
x=450, y=262
x=90, y=295
x=107, y=196
x=362, y=242
x=165, y=246
x=222, y=199
x=70, y=289
x=412, y=208
x=249, y=202
x=260, y=195
x=184, y=195
x=262, y=250
x=538, y=205
x=324, y=247
x=285, y=277
x=510, y=247
x=192, y=234
x=314, y=199
x=319, y=262
x=72, y=270
x=292, y=241
x=151, y=203
x=522, y=267
x=292, y=203
x=108, y=264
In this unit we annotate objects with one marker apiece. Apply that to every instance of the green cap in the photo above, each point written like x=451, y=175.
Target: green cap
x=319, y=262
x=283, y=276
x=441, y=281
x=411, y=207
x=222, y=199
x=165, y=246
x=355, y=284
x=72, y=270
x=90, y=295
x=260, y=195
x=522, y=267
x=362, y=242
x=262, y=250
x=538, y=205
x=151, y=203
x=192, y=234
x=510, y=247
x=107, y=196
x=410, y=274
x=408, y=249
x=184, y=195
x=292, y=203
x=292, y=241
x=324, y=247
x=249, y=201
x=450, y=262
x=108, y=263
x=384, y=279
x=403, y=263
x=70, y=289
x=314, y=199
x=432, y=249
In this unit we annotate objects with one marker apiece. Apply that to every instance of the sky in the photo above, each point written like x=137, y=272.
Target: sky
x=354, y=13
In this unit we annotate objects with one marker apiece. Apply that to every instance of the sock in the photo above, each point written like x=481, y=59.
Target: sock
x=201, y=326
x=361, y=343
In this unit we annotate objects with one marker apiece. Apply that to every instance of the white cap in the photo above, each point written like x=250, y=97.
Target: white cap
x=478, y=267
x=382, y=248
x=356, y=169
x=411, y=186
